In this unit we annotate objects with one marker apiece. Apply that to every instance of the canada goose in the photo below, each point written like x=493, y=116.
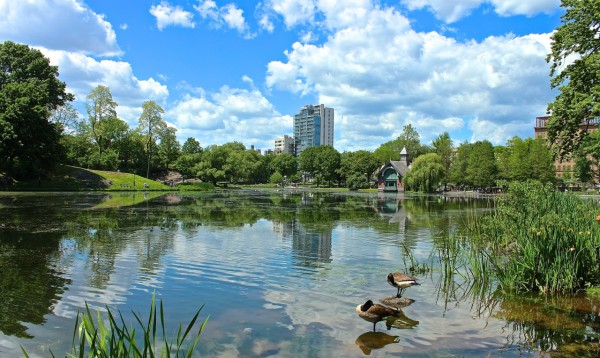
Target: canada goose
x=374, y=312
x=401, y=281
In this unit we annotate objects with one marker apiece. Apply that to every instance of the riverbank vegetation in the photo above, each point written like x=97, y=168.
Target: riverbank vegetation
x=535, y=239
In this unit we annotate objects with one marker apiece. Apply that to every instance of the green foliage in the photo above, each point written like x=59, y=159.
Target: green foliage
x=153, y=126
x=286, y=164
x=540, y=239
x=321, y=162
x=458, y=168
x=29, y=91
x=444, y=147
x=357, y=168
x=169, y=148
x=115, y=339
x=426, y=173
x=523, y=160
x=191, y=146
x=481, y=165
x=409, y=139
x=575, y=72
x=276, y=178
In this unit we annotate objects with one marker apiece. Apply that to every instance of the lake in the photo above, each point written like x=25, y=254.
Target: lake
x=279, y=274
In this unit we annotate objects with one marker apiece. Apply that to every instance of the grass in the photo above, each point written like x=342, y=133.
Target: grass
x=70, y=178
x=92, y=337
x=195, y=187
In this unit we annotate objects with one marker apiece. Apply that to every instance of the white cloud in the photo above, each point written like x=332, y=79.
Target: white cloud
x=520, y=7
x=232, y=114
x=427, y=79
x=229, y=15
x=452, y=11
x=169, y=15
x=294, y=12
x=83, y=73
x=59, y=25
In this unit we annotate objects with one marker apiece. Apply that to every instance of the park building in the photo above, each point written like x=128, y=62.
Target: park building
x=565, y=167
x=284, y=145
x=313, y=126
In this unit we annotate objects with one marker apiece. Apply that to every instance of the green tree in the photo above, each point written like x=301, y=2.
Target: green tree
x=276, y=178
x=191, y=146
x=426, y=173
x=575, y=72
x=444, y=147
x=329, y=160
x=360, y=163
x=481, y=165
x=29, y=91
x=285, y=164
x=542, y=160
x=409, y=139
x=66, y=116
x=169, y=147
x=153, y=126
x=102, y=116
x=459, y=165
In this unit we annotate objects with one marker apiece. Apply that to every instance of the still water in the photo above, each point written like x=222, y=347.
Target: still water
x=279, y=274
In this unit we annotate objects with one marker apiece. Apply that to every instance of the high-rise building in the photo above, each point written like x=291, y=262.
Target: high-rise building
x=313, y=126
x=284, y=145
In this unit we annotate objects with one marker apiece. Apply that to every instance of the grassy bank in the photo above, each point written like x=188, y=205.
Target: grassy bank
x=69, y=178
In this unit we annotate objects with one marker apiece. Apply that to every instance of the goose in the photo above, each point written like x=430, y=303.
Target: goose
x=374, y=312
x=401, y=281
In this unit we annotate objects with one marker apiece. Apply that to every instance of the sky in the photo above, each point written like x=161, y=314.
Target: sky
x=239, y=70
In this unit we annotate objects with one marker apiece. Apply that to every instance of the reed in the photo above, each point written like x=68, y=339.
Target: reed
x=93, y=337
x=538, y=239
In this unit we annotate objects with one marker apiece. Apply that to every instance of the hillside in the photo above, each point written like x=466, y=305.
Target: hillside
x=69, y=178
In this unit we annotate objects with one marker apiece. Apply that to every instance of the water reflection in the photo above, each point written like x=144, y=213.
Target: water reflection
x=289, y=267
x=370, y=341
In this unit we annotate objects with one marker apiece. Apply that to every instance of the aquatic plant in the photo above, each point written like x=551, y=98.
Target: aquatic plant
x=540, y=239
x=92, y=337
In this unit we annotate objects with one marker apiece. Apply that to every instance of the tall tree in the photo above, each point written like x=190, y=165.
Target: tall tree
x=153, y=126
x=409, y=139
x=191, y=146
x=169, y=147
x=29, y=91
x=444, y=147
x=481, y=165
x=459, y=165
x=575, y=71
x=102, y=113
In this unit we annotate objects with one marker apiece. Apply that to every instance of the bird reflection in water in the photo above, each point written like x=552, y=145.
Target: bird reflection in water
x=369, y=341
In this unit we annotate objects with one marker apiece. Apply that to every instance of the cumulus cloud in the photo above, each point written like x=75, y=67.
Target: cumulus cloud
x=83, y=73
x=231, y=114
x=59, y=25
x=229, y=15
x=452, y=11
x=169, y=15
x=431, y=81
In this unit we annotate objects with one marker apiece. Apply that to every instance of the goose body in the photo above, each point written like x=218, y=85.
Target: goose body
x=374, y=312
x=401, y=281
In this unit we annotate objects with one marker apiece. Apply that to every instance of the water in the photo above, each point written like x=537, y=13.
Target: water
x=279, y=274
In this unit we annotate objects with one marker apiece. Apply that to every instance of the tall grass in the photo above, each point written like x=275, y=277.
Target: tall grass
x=92, y=337
x=540, y=239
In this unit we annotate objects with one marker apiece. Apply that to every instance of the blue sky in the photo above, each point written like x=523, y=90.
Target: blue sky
x=239, y=70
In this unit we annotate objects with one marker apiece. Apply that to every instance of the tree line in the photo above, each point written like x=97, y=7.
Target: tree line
x=39, y=128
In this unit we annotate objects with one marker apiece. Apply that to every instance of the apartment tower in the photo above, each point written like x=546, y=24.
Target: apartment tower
x=313, y=126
